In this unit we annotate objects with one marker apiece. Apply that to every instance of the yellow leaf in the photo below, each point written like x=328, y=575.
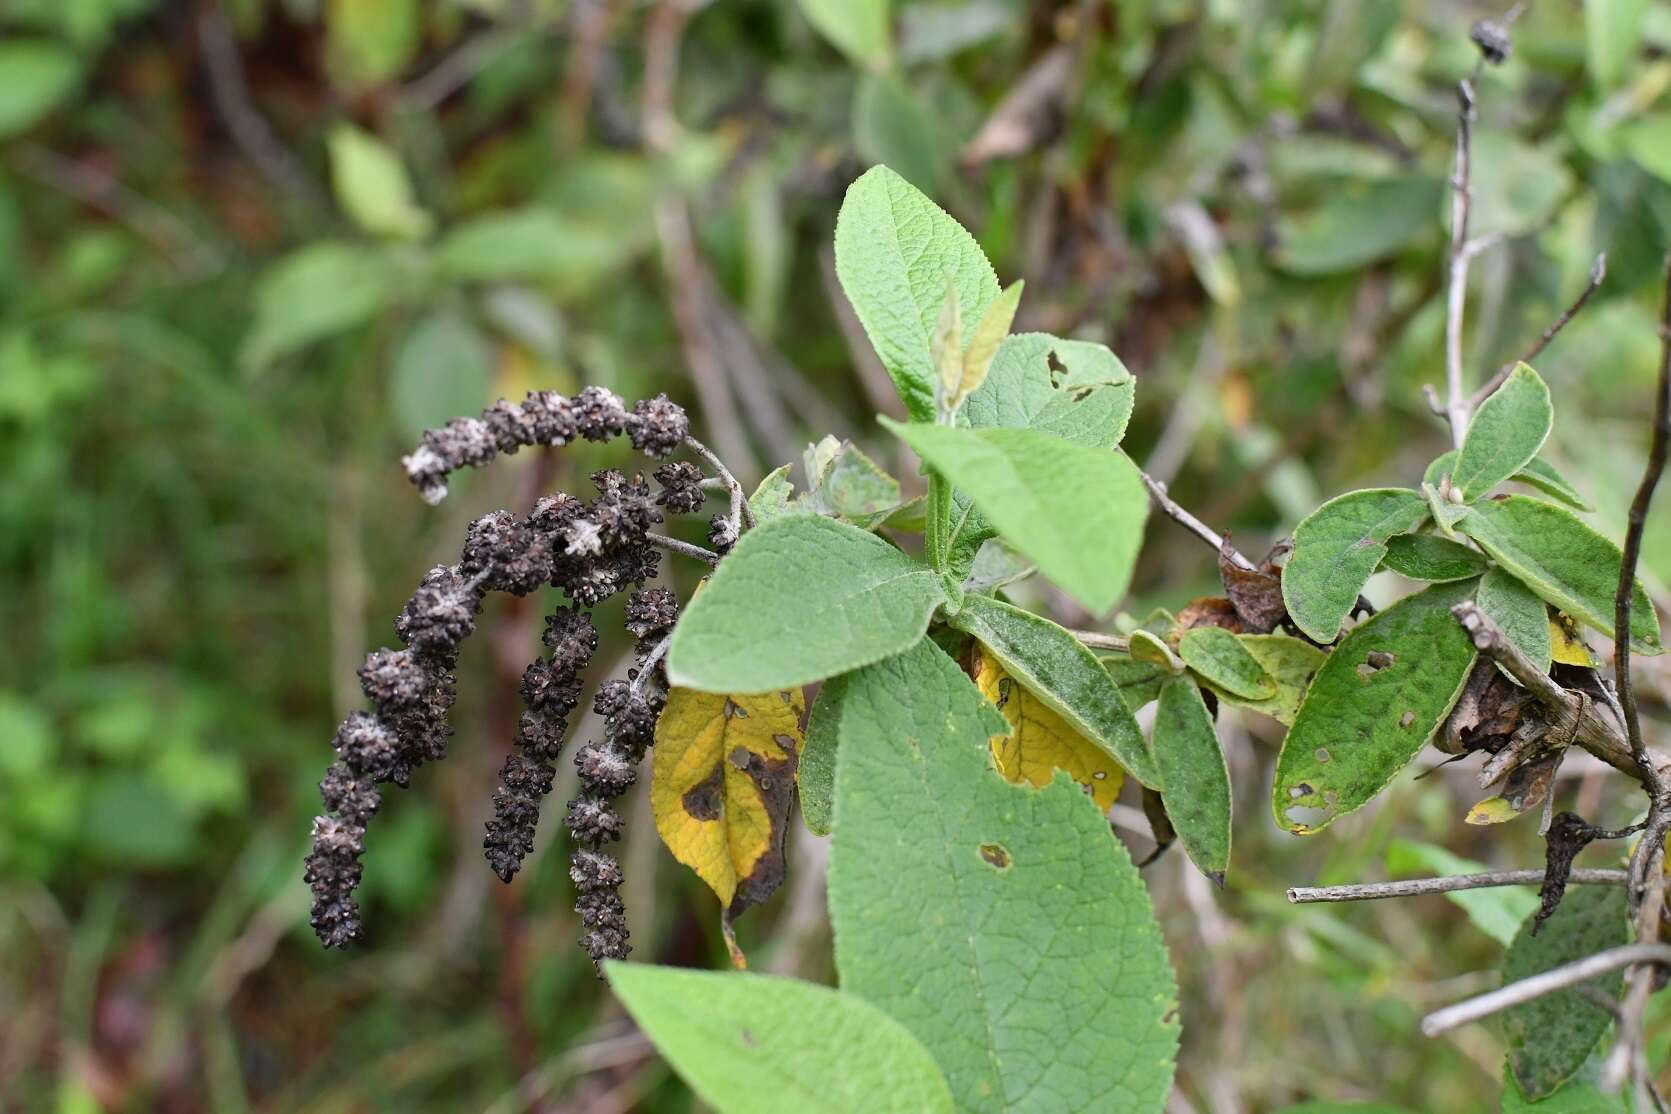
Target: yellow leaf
x=722, y=778
x=1040, y=742
x=1567, y=643
x=1492, y=810
x=945, y=347
x=983, y=346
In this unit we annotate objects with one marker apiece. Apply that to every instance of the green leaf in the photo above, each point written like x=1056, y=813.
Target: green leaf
x=1505, y=435
x=1544, y=476
x=775, y=496
x=1220, y=658
x=1359, y=225
x=313, y=293
x=1289, y=663
x=1432, y=558
x=816, y=776
x=1521, y=614
x=1077, y=512
x=895, y=250
x=858, y=28
x=1139, y=682
x=36, y=76
x=1088, y=401
x=1195, y=779
x=1612, y=39
x=442, y=368
x=1003, y=925
x=1446, y=514
x=1496, y=911
x=1443, y=465
x=799, y=599
x=1550, y=1037
x=372, y=187
x=757, y=1044
x=1055, y=667
x=1564, y=561
x=1337, y=549
x=990, y=332
x=1371, y=708
x=851, y=486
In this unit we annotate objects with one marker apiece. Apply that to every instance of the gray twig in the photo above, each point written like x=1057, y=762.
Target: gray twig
x=1157, y=492
x=1547, y=982
x=683, y=549
x=1461, y=253
x=1598, y=274
x=1416, y=887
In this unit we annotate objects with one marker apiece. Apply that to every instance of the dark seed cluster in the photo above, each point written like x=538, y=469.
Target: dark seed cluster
x=656, y=427
x=607, y=768
x=591, y=550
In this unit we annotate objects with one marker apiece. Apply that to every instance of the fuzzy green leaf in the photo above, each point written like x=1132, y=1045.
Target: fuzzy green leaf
x=1550, y=1037
x=1078, y=512
x=1055, y=667
x=1371, y=708
x=1219, y=657
x=1087, y=402
x=372, y=186
x=1565, y=562
x=1517, y=609
x=1139, y=682
x=1582, y=1094
x=815, y=776
x=801, y=598
x=895, y=250
x=1337, y=549
x=1431, y=558
x=1003, y=925
x=1547, y=479
x=1289, y=663
x=757, y=1044
x=1196, y=780
x=1505, y=435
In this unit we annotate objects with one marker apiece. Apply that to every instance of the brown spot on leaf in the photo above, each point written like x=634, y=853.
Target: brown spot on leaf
x=1374, y=662
x=747, y=1037
x=706, y=799
x=1210, y=611
x=996, y=854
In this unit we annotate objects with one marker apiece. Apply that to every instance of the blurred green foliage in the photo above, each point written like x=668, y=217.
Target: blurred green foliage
x=248, y=250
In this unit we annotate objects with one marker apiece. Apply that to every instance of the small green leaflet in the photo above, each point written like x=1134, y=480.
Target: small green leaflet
x=1515, y=608
x=315, y=293
x=758, y=1044
x=895, y=250
x=1432, y=558
x=815, y=777
x=1545, y=478
x=1196, y=780
x=858, y=28
x=799, y=599
x=1003, y=925
x=1063, y=674
x=1220, y=658
x=1549, y=1038
x=1075, y=389
x=1289, y=663
x=1371, y=708
x=1565, y=562
x=1077, y=512
x=1336, y=550
x=1496, y=910
x=1505, y=435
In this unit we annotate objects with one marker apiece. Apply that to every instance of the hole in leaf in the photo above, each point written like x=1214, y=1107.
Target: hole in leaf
x=1376, y=661
x=996, y=855
x=1099, y=775
x=1303, y=818
x=1407, y=718
x=1303, y=789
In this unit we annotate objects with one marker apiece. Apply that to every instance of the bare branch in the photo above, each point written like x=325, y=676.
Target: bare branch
x=1647, y=900
x=1157, y=491
x=1548, y=982
x=1097, y=640
x=683, y=549
x=741, y=515
x=1456, y=400
x=1416, y=887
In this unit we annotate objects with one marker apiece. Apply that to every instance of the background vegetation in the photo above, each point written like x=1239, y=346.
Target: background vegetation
x=248, y=250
